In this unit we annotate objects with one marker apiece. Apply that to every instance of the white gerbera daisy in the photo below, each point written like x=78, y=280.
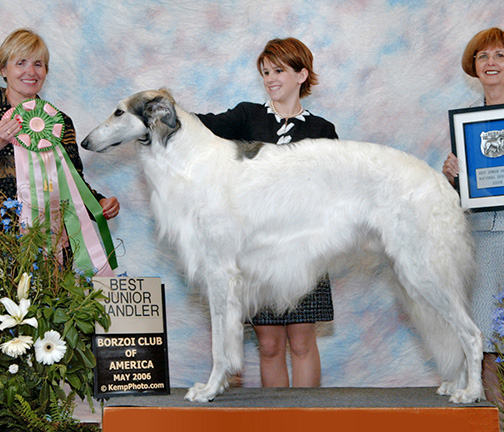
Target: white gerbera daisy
x=13, y=369
x=17, y=346
x=17, y=314
x=51, y=349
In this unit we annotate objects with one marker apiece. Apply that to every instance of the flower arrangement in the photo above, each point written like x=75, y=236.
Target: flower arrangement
x=48, y=313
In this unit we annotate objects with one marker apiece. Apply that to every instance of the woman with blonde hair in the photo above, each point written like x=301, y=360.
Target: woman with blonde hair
x=29, y=170
x=24, y=64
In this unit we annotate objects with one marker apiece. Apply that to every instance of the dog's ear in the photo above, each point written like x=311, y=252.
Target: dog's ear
x=160, y=117
x=160, y=109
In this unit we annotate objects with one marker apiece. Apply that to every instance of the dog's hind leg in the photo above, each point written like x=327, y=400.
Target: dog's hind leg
x=467, y=387
x=431, y=251
x=440, y=315
x=227, y=338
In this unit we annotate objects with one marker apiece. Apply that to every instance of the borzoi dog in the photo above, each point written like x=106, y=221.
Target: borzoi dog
x=256, y=225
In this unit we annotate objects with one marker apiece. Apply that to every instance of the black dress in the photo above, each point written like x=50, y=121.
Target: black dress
x=255, y=122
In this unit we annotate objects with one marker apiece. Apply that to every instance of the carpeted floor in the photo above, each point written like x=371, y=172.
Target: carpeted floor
x=420, y=397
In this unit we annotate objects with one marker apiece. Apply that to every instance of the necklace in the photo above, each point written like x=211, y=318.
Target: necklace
x=286, y=117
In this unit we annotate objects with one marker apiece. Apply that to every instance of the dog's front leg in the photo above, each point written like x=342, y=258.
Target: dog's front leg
x=217, y=382
x=218, y=297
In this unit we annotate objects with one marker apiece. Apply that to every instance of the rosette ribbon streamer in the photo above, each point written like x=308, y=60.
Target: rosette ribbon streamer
x=46, y=177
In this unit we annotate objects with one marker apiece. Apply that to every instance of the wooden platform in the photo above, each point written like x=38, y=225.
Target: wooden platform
x=324, y=409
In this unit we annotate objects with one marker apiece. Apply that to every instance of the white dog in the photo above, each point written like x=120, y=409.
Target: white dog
x=256, y=225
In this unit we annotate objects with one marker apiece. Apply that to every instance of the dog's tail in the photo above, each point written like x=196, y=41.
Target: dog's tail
x=438, y=336
x=440, y=340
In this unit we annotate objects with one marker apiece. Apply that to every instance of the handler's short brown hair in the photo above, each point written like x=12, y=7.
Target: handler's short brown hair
x=290, y=52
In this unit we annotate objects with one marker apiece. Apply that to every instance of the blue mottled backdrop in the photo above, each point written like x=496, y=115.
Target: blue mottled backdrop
x=389, y=72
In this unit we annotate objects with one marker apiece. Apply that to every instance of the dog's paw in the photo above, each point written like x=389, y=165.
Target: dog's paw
x=446, y=388
x=199, y=393
x=462, y=396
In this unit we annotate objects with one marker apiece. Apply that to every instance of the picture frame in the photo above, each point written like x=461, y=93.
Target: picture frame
x=477, y=138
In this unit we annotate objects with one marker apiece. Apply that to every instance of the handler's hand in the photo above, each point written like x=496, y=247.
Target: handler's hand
x=110, y=207
x=451, y=168
x=8, y=130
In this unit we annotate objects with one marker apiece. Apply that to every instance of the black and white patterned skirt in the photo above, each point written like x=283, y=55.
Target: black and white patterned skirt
x=316, y=306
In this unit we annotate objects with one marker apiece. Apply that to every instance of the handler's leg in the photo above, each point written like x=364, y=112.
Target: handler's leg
x=272, y=355
x=305, y=355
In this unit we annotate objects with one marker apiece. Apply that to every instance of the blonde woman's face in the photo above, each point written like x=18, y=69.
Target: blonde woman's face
x=25, y=77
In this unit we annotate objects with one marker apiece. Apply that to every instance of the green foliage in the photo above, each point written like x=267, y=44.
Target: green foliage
x=59, y=418
x=62, y=300
x=32, y=419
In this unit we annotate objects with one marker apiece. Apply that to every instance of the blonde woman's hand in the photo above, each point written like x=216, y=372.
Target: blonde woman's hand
x=110, y=207
x=8, y=130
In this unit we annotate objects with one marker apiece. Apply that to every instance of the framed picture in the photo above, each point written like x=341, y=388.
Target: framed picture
x=477, y=136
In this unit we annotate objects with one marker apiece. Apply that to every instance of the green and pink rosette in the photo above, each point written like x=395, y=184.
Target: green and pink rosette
x=46, y=176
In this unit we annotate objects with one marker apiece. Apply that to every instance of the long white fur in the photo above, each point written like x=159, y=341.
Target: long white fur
x=260, y=231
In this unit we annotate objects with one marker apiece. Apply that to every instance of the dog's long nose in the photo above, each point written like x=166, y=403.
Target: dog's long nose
x=85, y=143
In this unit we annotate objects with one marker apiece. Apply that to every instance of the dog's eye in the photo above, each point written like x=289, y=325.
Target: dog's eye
x=118, y=113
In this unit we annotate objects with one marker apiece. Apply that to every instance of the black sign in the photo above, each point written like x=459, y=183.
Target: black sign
x=131, y=363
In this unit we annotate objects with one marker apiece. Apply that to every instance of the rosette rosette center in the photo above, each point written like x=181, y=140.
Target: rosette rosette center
x=42, y=125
